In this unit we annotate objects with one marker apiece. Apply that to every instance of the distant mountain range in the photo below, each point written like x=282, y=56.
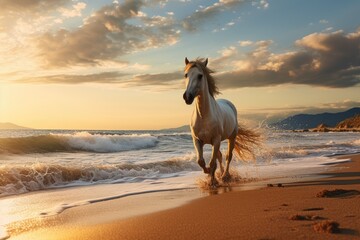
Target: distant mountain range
x=185, y=128
x=8, y=125
x=307, y=121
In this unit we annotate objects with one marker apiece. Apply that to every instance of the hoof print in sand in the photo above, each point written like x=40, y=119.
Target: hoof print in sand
x=272, y=185
x=337, y=193
x=313, y=209
x=304, y=217
x=327, y=226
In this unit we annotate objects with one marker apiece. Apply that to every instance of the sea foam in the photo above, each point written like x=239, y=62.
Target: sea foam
x=77, y=141
x=108, y=143
x=39, y=176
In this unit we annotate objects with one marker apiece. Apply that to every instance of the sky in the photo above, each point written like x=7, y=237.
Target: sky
x=76, y=64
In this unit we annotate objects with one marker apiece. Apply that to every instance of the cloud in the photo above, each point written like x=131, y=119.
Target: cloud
x=106, y=35
x=262, y=4
x=192, y=22
x=104, y=77
x=321, y=108
x=329, y=59
x=33, y=6
x=225, y=55
x=328, y=29
x=245, y=43
x=12, y=11
x=323, y=21
x=320, y=59
x=170, y=80
x=162, y=3
x=75, y=11
x=161, y=78
x=157, y=20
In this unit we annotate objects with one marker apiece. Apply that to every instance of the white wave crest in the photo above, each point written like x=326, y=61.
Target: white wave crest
x=108, y=143
x=38, y=176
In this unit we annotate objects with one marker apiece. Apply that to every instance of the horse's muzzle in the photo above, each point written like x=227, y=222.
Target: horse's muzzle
x=189, y=98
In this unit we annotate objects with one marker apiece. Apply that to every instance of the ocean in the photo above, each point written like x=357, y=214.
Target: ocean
x=33, y=160
x=44, y=172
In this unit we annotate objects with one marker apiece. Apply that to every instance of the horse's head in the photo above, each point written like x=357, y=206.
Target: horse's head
x=194, y=80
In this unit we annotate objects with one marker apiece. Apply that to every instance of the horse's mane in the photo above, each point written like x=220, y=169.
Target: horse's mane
x=199, y=63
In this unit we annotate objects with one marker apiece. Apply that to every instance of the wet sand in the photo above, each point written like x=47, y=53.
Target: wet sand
x=287, y=211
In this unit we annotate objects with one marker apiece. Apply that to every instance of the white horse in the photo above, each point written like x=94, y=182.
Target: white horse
x=214, y=120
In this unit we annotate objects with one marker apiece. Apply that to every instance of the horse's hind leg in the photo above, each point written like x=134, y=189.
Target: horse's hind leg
x=231, y=144
x=214, y=156
x=219, y=157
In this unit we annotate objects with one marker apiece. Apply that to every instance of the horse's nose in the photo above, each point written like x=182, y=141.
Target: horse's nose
x=189, y=98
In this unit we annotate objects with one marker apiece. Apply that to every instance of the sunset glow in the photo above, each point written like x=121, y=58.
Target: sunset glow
x=119, y=64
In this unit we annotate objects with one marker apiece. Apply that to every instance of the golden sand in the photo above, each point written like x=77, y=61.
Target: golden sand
x=267, y=213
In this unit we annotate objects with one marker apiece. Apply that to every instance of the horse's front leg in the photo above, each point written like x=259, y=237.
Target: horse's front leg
x=220, y=162
x=199, y=151
x=214, y=156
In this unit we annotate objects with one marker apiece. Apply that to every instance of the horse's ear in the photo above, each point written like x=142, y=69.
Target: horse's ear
x=206, y=62
x=186, y=61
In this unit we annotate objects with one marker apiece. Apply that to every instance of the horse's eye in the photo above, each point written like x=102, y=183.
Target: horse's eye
x=200, y=76
x=185, y=75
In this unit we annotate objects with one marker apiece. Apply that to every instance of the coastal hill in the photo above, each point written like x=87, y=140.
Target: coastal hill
x=308, y=121
x=353, y=122
x=8, y=125
x=348, y=125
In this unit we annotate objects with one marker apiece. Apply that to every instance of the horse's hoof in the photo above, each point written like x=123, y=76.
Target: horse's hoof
x=207, y=170
x=226, y=178
x=214, y=184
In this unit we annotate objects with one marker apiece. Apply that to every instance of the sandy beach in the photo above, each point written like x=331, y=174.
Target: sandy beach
x=287, y=211
x=167, y=120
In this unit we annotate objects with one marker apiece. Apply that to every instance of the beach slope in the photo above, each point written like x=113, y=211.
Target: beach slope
x=301, y=210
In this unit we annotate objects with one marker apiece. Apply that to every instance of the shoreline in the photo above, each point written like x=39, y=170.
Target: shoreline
x=261, y=213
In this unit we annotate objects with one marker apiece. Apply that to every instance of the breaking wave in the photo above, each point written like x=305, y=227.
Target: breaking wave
x=79, y=141
x=38, y=176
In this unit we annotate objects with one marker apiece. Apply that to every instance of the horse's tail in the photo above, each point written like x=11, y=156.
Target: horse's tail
x=245, y=143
